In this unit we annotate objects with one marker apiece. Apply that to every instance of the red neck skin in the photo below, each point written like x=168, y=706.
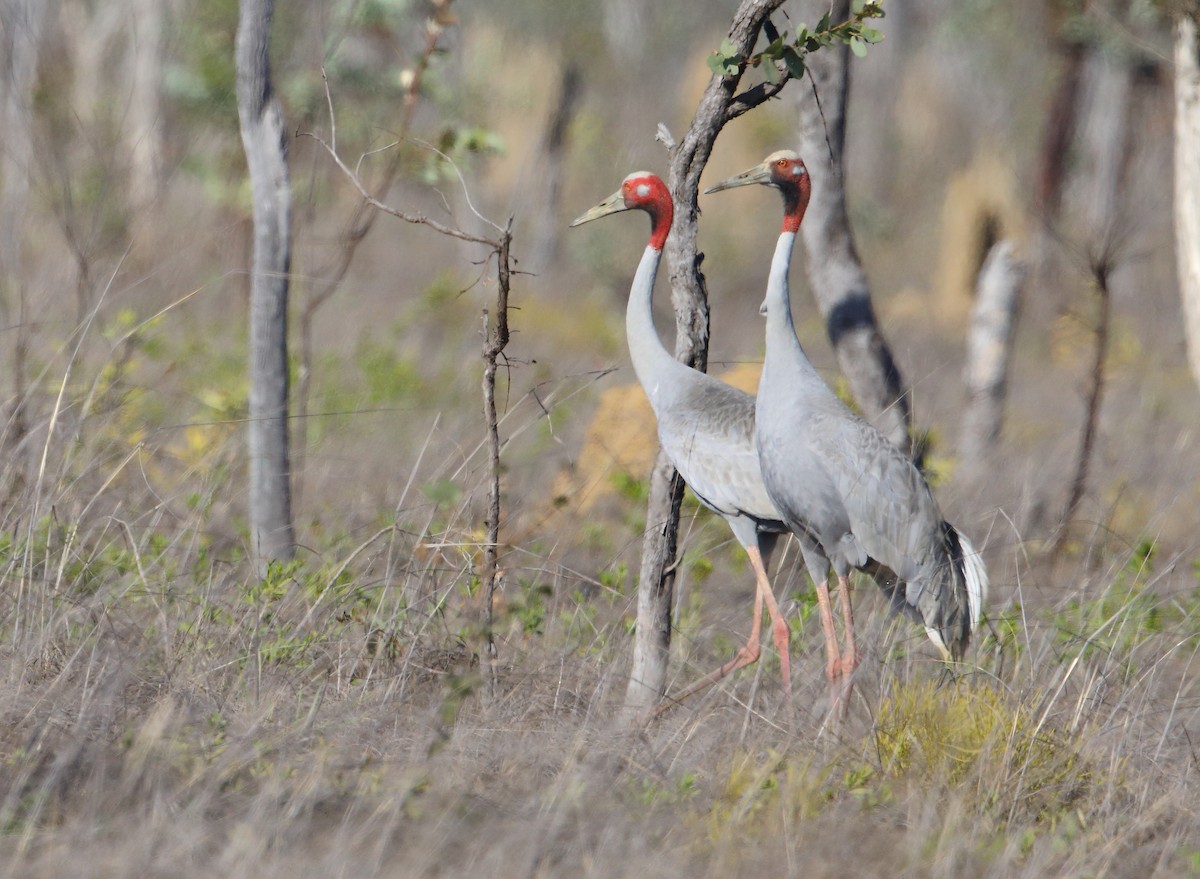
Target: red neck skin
x=795, y=203
x=662, y=212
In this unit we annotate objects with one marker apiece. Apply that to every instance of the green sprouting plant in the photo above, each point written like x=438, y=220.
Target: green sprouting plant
x=862, y=783
x=949, y=733
x=530, y=606
x=1114, y=622
x=288, y=647
x=459, y=143
x=631, y=487
x=699, y=565
x=388, y=377
x=614, y=579
x=580, y=628
x=445, y=493
x=280, y=578
x=1185, y=609
x=652, y=792
x=1002, y=637
x=761, y=788
x=806, y=606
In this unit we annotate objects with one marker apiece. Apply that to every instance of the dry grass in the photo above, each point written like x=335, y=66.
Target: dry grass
x=167, y=714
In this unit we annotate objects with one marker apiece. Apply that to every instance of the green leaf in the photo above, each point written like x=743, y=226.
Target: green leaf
x=726, y=60
x=774, y=49
x=871, y=35
x=770, y=71
x=823, y=24
x=858, y=47
x=793, y=61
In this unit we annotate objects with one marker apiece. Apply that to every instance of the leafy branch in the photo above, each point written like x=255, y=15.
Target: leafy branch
x=782, y=59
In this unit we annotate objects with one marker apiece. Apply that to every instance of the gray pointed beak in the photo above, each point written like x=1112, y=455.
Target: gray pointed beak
x=610, y=205
x=758, y=174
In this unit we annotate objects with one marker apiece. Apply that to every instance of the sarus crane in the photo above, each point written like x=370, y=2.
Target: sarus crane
x=705, y=426
x=837, y=480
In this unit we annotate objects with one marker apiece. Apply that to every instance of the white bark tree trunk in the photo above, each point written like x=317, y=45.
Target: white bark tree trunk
x=989, y=342
x=1187, y=177
x=263, y=138
x=20, y=37
x=144, y=128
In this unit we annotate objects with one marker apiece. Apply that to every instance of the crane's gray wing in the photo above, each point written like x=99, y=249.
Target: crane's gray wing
x=892, y=512
x=708, y=433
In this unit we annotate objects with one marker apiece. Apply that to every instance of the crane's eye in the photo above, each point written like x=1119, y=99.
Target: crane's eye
x=782, y=163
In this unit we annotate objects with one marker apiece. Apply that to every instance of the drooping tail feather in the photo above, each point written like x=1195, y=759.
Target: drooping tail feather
x=975, y=575
x=968, y=586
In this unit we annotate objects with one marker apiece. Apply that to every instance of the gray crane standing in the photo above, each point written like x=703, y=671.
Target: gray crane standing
x=836, y=480
x=706, y=427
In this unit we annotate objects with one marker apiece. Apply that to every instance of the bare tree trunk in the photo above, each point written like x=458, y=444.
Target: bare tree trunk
x=20, y=40
x=1102, y=147
x=1187, y=177
x=835, y=273
x=988, y=346
x=1060, y=131
x=266, y=155
x=652, y=640
x=144, y=129
x=495, y=337
x=1101, y=272
x=545, y=243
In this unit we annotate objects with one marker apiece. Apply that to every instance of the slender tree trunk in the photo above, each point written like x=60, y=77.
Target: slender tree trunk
x=835, y=273
x=20, y=40
x=495, y=338
x=1095, y=397
x=1102, y=147
x=545, y=243
x=144, y=129
x=988, y=345
x=652, y=641
x=1187, y=177
x=266, y=155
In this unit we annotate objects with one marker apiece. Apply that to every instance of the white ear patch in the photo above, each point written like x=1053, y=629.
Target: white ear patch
x=643, y=190
x=797, y=170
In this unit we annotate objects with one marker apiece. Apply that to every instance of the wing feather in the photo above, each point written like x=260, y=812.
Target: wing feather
x=709, y=436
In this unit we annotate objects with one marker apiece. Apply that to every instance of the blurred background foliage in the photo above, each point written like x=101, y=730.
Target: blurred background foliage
x=124, y=247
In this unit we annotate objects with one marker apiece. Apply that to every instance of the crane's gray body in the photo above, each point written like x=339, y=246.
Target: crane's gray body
x=706, y=426
x=836, y=478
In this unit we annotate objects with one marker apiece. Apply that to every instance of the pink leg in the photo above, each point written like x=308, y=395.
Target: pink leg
x=779, y=628
x=850, y=658
x=746, y=655
x=833, y=659
x=749, y=654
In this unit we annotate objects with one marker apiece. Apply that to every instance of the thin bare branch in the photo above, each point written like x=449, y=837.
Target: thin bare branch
x=418, y=219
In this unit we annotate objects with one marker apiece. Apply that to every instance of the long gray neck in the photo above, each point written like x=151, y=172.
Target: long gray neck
x=783, y=348
x=652, y=361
